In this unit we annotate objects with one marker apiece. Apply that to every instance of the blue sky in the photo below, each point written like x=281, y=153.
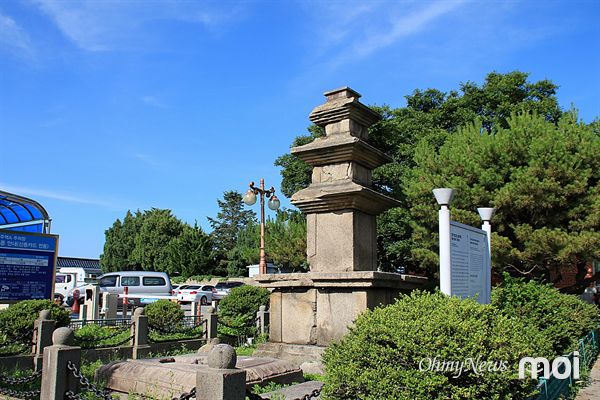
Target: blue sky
x=110, y=105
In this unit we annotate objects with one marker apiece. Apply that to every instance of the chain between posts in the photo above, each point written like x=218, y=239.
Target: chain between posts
x=85, y=384
x=19, y=381
x=18, y=341
x=312, y=395
x=20, y=395
x=186, y=395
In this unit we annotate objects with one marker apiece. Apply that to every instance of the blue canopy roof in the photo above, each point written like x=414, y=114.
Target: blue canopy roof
x=18, y=213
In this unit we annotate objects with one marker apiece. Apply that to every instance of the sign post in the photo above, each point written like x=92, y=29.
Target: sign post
x=27, y=265
x=465, y=261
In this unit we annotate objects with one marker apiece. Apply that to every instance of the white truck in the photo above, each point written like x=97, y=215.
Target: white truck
x=69, y=278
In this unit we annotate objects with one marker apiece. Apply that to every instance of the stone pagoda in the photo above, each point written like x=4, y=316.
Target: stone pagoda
x=309, y=310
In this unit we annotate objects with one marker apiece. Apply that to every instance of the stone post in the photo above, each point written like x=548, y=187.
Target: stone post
x=43, y=329
x=221, y=380
x=139, y=331
x=56, y=377
x=92, y=301
x=211, y=323
x=262, y=320
x=110, y=302
x=83, y=314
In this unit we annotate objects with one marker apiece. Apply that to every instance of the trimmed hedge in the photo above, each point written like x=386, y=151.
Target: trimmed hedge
x=18, y=318
x=562, y=318
x=381, y=356
x=164, y=314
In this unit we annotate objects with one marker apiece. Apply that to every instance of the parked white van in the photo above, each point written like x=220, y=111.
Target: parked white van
x=138, y=283
x=149, y=283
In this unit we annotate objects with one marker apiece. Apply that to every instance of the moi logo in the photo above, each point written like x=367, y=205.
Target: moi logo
x=557, y=364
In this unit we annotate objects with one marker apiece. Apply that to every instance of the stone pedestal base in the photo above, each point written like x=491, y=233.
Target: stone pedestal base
x=317, y=308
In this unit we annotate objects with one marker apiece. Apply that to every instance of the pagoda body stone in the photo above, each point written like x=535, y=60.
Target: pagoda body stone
x=316, y=308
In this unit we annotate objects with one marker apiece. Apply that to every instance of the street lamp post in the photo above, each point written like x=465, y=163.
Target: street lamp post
x=250, y=199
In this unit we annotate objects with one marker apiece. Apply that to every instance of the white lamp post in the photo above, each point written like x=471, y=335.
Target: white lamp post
x=486, y=214
x=444, y=198
x=250, y=199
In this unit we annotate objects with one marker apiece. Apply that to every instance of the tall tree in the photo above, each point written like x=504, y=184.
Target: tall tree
x=543, y=178
x=159, y=227
x=191, y=253
x=120, y=242
x=230, y=220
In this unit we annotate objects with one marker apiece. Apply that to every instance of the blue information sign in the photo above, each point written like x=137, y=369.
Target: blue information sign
x=27, y=264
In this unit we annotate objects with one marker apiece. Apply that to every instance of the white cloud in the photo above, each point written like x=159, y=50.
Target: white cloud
x=121, y=25
x=56, y=195
x=14, y=39
x=354, y=32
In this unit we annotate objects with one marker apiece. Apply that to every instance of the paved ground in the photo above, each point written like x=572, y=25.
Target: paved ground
x=592, y=392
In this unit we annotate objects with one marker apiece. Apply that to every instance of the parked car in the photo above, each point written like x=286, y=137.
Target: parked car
x=222, y=289
x=202, y=294
x=138, y=283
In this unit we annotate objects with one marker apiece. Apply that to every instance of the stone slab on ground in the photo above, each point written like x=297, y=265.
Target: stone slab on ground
x=591, y=392
x=170, y=376
x=307, y=357
x=295, y=391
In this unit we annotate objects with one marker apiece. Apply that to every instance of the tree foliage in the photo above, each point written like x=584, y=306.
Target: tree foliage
x=158, y=229
x=543, y=179
x=285, y=243
x=191, y=253
x=120, y=242
x=230, y=220
x=156, y=240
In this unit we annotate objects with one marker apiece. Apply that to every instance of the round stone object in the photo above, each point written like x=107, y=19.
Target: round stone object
x=222, y=356
x=45, y=314
x=63, y=336
x=262, y=308
x=139, y=311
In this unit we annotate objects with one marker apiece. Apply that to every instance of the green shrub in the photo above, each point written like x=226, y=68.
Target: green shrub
x=18, y=318
x=238, y=309
x=164, y=314
x=562, y=318
x=380, y=357
x=92, y=335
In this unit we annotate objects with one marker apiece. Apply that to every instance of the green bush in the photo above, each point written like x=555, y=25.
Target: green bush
x=238, y=309
x=92, y=335
x=18, y=318
x=164, y=314
x=380, y=357
x=561, y=318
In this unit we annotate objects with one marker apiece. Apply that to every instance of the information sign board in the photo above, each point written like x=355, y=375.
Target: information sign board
x=27, y=265
x=470, y=262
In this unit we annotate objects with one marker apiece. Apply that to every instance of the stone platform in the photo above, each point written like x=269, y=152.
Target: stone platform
x=317, y=308
x=168, y=377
